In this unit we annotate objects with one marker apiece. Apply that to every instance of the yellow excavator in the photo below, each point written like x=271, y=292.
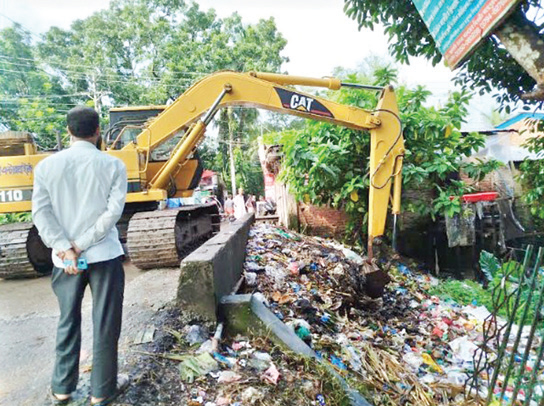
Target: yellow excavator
x=158, y=145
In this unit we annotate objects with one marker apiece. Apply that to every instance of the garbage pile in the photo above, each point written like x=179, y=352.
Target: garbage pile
x=407, y=348
x=255, y=372
x=185, y=365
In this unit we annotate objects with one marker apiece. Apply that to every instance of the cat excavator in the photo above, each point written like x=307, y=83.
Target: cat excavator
x=158, y=145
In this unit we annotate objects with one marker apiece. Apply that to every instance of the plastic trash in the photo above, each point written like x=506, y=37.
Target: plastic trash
x=229, y=362
x=338, y=270
x=237, y=346
x=352, y=256
x=325, y=318
x=251, y=278
x=260, y=361
x=456, y=378
x=320, y=399
x=251, y=396
x=302, y=332
x=463, y=348
x=228, y=377
x=222, y=401
x=299, y=323
x=479, y=313
x=196, y=334
x=284, y=234
x=207, y=346
x=293, y=268
x=277, y=274
x=173, y=203
x=353, y=358
x=253, y=267
x=427, y=379
x=403, y=269
x=196, y=366
x=271, y=375
x=433, y=366
x=337, y=362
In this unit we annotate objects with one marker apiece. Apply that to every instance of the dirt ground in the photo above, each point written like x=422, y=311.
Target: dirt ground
x=28, y=318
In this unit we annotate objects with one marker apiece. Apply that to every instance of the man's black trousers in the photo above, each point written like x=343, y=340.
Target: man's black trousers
x=107, y=282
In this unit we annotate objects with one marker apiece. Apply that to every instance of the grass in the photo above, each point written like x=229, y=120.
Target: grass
x=463, y=292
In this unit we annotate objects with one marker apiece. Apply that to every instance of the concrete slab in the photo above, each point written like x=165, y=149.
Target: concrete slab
x=212, y=270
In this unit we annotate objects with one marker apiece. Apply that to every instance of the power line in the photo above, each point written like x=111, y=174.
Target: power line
x=22, y=26
x=17, y=98
x=92, y=67
x=45, y=96
x=109, y=81
x=36, y=98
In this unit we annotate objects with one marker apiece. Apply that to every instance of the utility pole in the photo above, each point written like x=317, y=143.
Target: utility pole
x=59, y=140
x=231, y=155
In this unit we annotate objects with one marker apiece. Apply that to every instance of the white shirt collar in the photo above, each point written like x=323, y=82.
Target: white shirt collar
x=83, y=144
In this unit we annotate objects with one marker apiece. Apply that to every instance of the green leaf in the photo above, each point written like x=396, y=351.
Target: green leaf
x=489, y=264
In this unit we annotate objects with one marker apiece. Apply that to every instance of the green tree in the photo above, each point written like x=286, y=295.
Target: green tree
x=135, y=52
x=532, y=175
x=490, y=66
x=109, y=55
x=31, y=99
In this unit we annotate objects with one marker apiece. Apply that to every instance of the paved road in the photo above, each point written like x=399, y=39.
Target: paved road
x=28, y=318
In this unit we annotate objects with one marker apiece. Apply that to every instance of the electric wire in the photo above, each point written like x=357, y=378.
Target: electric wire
x=68, y=64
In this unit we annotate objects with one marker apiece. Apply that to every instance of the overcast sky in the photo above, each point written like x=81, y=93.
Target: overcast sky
x=319, y=36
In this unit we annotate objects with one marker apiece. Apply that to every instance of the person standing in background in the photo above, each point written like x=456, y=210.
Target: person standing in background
x=250, y=204
x=239, y=204
x=229, y=207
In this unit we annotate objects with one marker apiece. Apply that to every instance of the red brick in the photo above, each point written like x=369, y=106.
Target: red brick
x=322, y=220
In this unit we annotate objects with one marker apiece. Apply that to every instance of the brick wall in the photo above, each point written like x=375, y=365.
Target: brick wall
x=487, y=184
x=503, y=180
x=322, y=220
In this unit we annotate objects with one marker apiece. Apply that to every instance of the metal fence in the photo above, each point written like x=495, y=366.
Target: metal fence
x=508, y=363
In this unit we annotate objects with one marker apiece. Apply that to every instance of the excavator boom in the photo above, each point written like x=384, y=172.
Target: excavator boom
x=268, y=91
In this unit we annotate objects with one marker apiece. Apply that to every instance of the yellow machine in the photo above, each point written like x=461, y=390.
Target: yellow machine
x=161, y=158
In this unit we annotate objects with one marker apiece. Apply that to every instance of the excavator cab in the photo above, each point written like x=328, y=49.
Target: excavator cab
x=127, y=122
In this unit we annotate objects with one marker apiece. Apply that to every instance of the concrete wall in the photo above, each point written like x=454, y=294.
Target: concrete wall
x=212, y=271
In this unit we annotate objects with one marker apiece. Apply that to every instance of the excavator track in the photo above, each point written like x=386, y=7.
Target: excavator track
x=157, y=239
x=22, y=253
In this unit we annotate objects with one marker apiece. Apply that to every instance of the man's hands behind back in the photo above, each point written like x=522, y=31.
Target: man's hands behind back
x=71, y=256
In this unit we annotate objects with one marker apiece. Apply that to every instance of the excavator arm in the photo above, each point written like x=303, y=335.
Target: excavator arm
x=193, y=111
x=158, y=238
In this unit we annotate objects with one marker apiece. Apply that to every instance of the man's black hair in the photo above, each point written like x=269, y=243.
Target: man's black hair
x=82, y=121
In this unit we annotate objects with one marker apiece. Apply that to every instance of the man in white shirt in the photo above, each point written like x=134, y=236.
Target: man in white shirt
x=79, y=194
x=239, y=204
